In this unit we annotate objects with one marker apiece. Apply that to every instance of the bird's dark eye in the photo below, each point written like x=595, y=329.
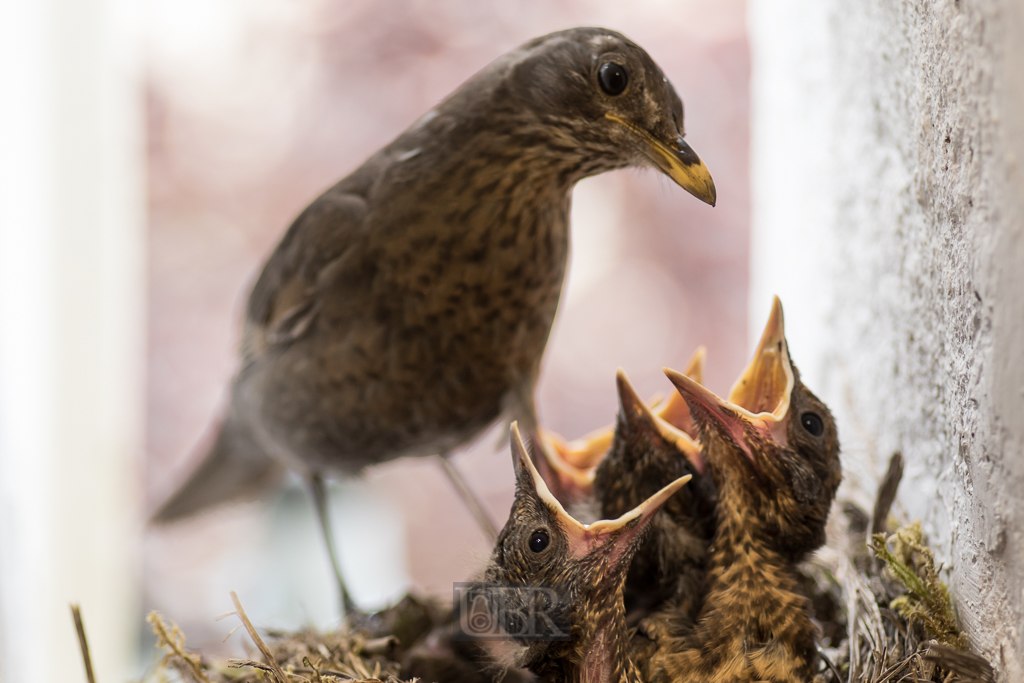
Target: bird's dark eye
x=812, y=423
x=613, y=78
x=539, y=540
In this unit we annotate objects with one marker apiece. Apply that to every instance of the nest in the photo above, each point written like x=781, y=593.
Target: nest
x=370, y=654
x=885, y=617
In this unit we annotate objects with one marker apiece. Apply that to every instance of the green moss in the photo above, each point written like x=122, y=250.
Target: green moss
x=927, y=600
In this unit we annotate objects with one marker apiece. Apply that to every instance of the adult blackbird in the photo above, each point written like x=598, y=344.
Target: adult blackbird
x=407, y=308
x=645, y=455
x=773, y=452
x=542, y=546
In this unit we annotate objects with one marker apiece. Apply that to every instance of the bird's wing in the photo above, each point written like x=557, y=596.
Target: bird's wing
x=287, y=297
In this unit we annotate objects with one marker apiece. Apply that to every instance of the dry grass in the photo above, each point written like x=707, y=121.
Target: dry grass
x=303, y=657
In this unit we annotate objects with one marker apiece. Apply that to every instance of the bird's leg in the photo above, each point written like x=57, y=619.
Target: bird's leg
x=469, y=498
x=316, y=483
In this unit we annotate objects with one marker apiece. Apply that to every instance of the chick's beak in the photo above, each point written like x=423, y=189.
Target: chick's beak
x=571, y=481
x=731, y=421
x=765, y=386
x=674, y=409
x=582, y=453
x=677, y=160
x=586, y=538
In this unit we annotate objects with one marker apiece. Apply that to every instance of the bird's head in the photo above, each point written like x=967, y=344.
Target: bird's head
x=646, y=453
x=569, y=467
x=542, y=545
x=601, y=95
x=772, y=448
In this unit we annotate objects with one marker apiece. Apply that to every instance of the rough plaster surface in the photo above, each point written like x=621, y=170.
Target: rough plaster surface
x=889, y=216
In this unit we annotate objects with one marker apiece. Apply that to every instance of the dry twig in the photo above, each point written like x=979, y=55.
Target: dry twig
x=76, y=614
x=275, y=668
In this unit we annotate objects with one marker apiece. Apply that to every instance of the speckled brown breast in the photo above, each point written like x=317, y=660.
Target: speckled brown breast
x=429, y=338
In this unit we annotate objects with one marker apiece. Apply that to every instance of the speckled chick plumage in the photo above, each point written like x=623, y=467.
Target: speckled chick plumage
x=775, y=463
x=671, y=562
x=588, y=565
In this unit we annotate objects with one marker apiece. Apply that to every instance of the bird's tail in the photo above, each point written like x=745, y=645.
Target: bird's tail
x=235, y=467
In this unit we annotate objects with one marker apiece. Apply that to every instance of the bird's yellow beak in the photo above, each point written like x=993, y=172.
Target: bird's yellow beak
x=732, y=420
x=765, y=386
x=583, y=453
x=569, y=480
x=677, y=160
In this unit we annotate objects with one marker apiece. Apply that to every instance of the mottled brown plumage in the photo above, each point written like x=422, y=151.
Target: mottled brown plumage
x=646, y=454
x=773, y=453
x=587, y=563
x=407, y=308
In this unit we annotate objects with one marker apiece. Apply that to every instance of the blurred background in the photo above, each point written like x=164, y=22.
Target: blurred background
x=155, y=153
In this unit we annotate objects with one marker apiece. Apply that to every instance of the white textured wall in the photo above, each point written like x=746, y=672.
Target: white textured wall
x=889, y=216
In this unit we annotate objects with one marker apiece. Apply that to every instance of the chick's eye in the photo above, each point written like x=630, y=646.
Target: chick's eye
x=613, y=78
x=812, y=423
x=539, y=540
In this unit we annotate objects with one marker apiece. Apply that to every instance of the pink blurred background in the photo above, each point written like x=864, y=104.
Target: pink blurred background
x=256, y=106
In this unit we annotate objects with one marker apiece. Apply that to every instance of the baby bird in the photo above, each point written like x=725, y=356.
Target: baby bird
x=773, y=453
x=541, y=544
x=569, y=467
x=646, y=453
x=587, y=451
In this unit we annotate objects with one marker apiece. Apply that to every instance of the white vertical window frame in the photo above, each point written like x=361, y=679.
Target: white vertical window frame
x=71, y=334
